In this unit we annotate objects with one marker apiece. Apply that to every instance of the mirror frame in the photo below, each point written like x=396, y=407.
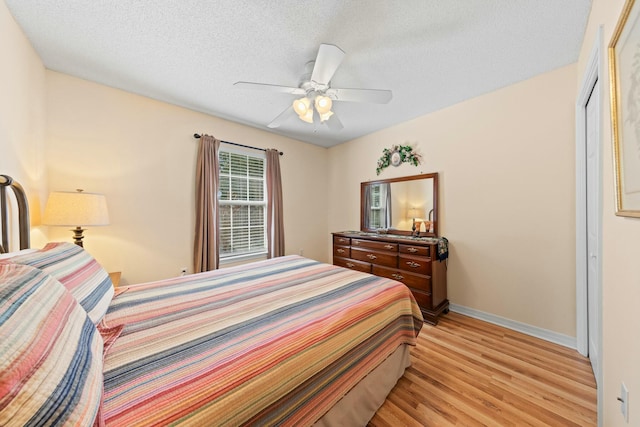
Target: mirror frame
x=433, y=176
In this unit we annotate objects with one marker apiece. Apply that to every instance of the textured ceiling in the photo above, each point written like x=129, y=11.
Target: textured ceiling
x=430, y=53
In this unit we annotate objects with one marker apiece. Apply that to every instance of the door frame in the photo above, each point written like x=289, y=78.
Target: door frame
x=592, y=73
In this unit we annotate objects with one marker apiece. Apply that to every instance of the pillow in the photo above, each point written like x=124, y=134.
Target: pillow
x=78, y=271
x=50, y=352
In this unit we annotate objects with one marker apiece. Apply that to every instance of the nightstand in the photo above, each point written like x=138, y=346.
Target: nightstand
x=115, y=278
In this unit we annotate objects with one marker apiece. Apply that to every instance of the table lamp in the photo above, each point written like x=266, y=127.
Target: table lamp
x=76, y=209
x=413, y=213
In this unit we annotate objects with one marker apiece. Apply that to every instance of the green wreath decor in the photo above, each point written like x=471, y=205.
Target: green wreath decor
x=396, y=155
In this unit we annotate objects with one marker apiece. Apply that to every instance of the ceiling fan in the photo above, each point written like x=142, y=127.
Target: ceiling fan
x=316, y=91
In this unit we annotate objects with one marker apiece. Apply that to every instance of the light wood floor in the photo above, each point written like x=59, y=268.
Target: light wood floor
x=467, y=372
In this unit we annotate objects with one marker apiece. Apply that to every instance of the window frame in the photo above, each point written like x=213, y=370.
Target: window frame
x=233, y=257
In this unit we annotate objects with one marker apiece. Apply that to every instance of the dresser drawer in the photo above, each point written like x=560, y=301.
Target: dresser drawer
x=415, y=281
x=342, y=241
x=414, y=250
x=375, y=257
x=380, y=246
x=422, y=298
x=415, y=264
x=352, y=264
x=342, y=251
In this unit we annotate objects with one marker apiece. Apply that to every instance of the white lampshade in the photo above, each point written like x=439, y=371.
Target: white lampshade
x=325, y=116
x=76, y=209
x=323, y=105
x=308, y=116
x=302, y=106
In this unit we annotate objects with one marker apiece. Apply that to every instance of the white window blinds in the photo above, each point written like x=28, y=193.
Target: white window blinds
x=242, y=202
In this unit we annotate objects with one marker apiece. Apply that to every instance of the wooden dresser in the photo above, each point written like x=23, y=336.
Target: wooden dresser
x=410, y=260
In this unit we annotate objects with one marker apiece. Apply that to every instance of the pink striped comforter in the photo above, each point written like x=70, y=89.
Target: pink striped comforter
x=276, y=342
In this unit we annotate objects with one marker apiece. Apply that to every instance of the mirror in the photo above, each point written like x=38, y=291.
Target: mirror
x=395, y=205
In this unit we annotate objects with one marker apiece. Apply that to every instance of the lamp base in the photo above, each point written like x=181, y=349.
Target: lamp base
x=77, y=236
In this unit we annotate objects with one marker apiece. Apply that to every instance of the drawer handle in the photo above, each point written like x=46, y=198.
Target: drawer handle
x=397, y=276
x=342, y=240
x=350, y=265
x=388, y=246
x=413, y=264
x=412, y=250
x=340, y=251
x=371, y=256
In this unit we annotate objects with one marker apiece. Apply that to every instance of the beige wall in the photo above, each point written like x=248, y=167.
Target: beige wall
x=22, y=117
x=141, y=154
x=506, y=167
x=621, y=247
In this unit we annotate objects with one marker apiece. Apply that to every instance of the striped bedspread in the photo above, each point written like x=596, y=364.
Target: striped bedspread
x=278, y=342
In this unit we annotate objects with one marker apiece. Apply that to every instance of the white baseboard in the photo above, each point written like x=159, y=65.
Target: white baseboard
x=534, y=331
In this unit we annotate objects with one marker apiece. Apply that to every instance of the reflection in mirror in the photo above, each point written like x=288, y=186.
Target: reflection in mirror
x=377, y=197
x=405, y=205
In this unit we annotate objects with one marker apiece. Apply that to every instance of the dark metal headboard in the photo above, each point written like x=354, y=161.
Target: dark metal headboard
x=23, y=213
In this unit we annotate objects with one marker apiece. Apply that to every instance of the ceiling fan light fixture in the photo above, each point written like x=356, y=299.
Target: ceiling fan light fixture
x=302, y=106
x=308, y=116
x=326, y=116
x=323, y=104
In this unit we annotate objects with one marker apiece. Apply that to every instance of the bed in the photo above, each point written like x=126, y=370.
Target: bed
x=286, y=341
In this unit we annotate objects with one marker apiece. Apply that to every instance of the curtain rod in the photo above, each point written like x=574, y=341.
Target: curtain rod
x=197, y=135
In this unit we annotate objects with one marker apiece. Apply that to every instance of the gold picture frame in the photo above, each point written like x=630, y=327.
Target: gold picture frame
x=624, y=74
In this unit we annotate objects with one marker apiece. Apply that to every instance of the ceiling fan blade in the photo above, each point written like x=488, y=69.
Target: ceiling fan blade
x=271, y=88
x=334, y=123
x=327, y=62
x=375, y=96
x=282, y=117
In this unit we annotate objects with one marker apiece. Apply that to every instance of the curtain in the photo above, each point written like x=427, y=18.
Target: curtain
x=385, y=200
x=275, y=222
x=366, y=210
x=207, y=239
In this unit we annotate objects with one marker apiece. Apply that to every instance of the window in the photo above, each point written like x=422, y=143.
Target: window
x=243, y=204
x=380, y=198
x=376, y=219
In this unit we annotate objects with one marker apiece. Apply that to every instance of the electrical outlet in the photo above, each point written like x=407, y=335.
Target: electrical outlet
x=183, y=271
x=624, y=401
